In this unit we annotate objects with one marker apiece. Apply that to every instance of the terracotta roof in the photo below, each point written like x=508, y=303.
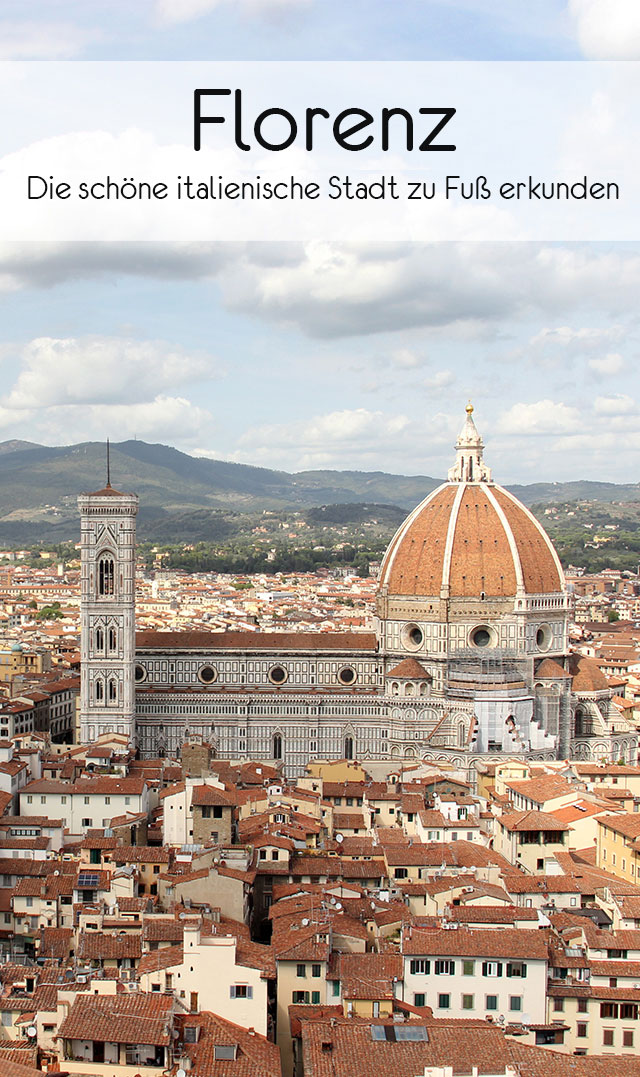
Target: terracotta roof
x=254, y=955
x=411, y=669
x=99, y=945
x=17, y=1069
x=465, y=541
x=542, y=884
x=255, y=1056
x=107, y=491
x=616, y=968
x=476, y=942
x=29, y=820
x=531, y=820
x=587, y=675
x=627, y=823
x=550, y=670
x=164, y=958
x=491, y=914
x=582, y=809
x=162, y=929
x=369, y=975
x=55, y=942
x=629, y=905
x=208, y=795
x=301, y=944
x=140, y=854
x=546, y=787
x=138, y=1018
x=256, y=641
x=344, y=1047
x=102, y=785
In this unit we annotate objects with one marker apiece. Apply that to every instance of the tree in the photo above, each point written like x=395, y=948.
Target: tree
x=50, y=613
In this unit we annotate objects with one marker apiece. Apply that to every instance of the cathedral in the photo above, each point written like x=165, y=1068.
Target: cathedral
x=468, y=654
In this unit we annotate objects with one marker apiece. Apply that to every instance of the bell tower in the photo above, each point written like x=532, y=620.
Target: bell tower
x=107, y=612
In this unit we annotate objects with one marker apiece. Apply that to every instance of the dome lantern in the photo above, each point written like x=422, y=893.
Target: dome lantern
x=469, y=465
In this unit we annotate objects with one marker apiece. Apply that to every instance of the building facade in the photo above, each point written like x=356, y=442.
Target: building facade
x=468, y=655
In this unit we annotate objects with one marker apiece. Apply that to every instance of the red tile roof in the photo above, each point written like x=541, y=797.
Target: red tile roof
x=256, y=641
x=132, y=1018
x=466, y=942
x=255, y=1056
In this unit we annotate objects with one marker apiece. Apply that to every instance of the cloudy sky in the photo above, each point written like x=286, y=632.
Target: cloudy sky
x=299, y=355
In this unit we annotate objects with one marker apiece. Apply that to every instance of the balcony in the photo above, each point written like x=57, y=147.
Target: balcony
x=106, y=1069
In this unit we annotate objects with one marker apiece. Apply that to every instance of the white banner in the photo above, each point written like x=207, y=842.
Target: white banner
x=324, y=150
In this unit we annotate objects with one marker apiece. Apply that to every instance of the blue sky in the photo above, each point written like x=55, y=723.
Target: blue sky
x=292, y=29
x=327, y=355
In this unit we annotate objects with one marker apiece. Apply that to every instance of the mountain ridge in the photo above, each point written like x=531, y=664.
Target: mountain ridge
x=39, y=485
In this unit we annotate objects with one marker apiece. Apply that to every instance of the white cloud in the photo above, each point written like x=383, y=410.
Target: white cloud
x=102, y=370
x=619, y=404
x=607, y=29
x=43, y=265
x=405, y=358
x=439, y=381
x=170, y=12
x=172, y=420
x=330, y=290
x=169, y=419
x=348, y=438
x=608, y=365
x=43, y=40
x=542, y=417
x=335, y=289
x=580, y=340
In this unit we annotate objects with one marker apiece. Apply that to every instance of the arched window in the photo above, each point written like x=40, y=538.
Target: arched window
x=277, y=746
x=113, y=690
x=99, y=691
x=348, y=747
x=105, y=576
x=99, y=638
x=113, y=639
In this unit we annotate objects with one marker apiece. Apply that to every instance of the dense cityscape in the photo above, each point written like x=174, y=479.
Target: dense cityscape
x=190, y=885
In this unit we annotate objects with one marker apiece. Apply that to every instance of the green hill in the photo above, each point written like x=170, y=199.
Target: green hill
x=185, y=497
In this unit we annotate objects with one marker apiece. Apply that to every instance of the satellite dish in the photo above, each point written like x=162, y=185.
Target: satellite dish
x=305, y=923
x=32, y=1031
x=340, y=838
x=338, y=907
x=181, y=1073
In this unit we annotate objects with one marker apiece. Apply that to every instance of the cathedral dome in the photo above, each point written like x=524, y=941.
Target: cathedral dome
x=470, y=538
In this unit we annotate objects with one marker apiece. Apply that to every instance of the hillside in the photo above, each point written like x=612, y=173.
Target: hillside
x=185, y=497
